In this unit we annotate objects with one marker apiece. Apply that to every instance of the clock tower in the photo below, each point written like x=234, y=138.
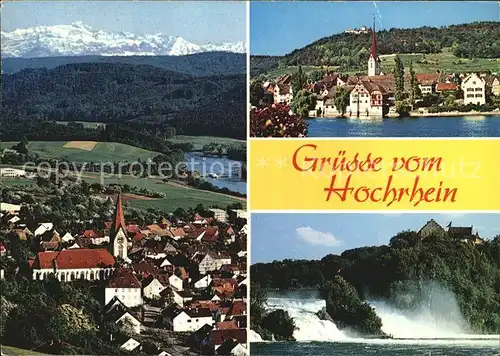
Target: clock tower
x=118, y=241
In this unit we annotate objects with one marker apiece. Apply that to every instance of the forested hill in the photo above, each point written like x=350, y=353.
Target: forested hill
x=200, y=64
x=399, y=272
x=474, y=40
x=129, y=95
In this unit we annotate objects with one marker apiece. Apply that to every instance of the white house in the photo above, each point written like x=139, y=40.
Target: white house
x=152, y=287
x=2, y=273
x=43, y=228
x=12, y=172
x=283, y=93
x=218, y=214
x=213, y=262
x=185, y=320
x=175, y=282
x=203, y=282
x=125, y=286
x=474, y=89
x=67, y=237
x=73, y=264
x=117, y=312
x=130, y=345
x=181, y=297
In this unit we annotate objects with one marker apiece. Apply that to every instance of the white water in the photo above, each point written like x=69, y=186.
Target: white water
x=422, y=327
x=309, y=326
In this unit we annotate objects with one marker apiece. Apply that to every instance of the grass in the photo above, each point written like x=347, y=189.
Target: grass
x=14, y=351
x=422, y=63
x=102, y=152
x=176, y=197
x=200, y=141
x=444, y=61
x=16, y=181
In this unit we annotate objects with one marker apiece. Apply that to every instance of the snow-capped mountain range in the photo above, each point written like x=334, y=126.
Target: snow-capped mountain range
x=79, y=39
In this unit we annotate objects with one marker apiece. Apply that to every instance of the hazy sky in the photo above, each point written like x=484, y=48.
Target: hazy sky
x=278, y=28
x=313, y=236
x=197, y=21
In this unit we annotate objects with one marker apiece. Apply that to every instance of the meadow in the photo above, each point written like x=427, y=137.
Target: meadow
x=100, y=152
x=444, y=61
x=199, y=141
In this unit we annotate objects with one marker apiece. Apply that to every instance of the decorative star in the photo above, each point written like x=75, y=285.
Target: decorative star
x=262, y=162
x=280, y=162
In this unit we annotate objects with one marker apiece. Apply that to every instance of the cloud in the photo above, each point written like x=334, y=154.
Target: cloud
x=313, y=237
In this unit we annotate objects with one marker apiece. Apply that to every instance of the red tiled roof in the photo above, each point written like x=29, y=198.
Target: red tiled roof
x=446, y=86
x=90, y=234
x=211, y=234
x=75, y=258
x=225, y=325
x=124, y=278
x=219, y=336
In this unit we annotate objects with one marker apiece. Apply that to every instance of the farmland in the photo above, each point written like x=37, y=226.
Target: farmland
x=81, y=151
x=200, y=141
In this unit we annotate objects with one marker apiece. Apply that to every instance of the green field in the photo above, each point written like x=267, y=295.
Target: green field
x=14, y=351
x=102, y=152
x=200, y=141
x=176, y=197
x=422, y=63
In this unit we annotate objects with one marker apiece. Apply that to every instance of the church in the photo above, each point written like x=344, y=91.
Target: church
x=86, y=263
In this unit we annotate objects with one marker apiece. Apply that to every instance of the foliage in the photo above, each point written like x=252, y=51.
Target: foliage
x=147, y=100
x=414, y=88
x=200, y=64
x=351, y=51
x=399, y=73
x=347, y=310
x=276, y=121
x=277, y=323
x=402, y=107
x=341, y=100
x=280, y=324
x=299, y=80
x=471, y=272
x=303, y=102
x=256, y=92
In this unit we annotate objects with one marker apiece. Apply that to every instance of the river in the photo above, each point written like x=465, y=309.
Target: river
x=227, y=170
x=464, y=126
x=423, y=333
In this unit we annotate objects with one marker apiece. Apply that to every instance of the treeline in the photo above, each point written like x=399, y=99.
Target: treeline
x=127, y=95
x=471, y=272
x=199, y=64
x=474, y=40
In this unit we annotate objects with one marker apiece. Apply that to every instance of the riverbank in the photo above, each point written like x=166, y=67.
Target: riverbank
x=416, y=114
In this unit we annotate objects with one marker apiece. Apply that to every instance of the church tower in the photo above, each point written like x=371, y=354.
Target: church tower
x=373, y=61
x=118, y=241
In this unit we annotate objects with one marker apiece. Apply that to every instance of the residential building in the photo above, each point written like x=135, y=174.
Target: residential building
x=183, y=320
x=431, y=228
x=474, y=89
x=218, y=214
x=8, y=172
x=125, y=286
x=152, y=287
x=213, y=261
x=118, y=313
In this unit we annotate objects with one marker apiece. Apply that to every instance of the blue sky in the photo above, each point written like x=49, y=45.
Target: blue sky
x=199, y=22
x=277, y=28
x=313, y=236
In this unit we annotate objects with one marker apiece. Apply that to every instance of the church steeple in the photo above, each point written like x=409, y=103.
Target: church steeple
x=118, y=241
x=374, y=60
x=119, y=218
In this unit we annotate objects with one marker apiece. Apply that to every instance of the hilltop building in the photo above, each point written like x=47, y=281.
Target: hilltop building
x=462, y=233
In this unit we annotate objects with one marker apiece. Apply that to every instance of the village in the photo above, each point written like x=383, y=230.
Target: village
x=376, y=94
x=184, y=277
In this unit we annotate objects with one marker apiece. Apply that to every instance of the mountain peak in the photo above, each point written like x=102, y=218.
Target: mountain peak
x=79, y=39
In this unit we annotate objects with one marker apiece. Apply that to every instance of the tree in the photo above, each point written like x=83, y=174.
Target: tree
x=341, y=100
x=316, y=75
x=399, y=73
x=280, y=324
x=256, y=92
x=415, y=91
x=276, y=121
x=257, y=304
x=303, y=102
x=299, y=80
